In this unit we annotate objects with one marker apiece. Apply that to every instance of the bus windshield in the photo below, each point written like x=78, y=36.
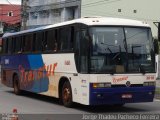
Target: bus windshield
x=121, y=50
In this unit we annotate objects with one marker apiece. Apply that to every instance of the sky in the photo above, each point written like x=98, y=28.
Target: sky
x=11, y=1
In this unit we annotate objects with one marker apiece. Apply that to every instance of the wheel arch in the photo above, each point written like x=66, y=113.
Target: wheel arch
x=60, y=85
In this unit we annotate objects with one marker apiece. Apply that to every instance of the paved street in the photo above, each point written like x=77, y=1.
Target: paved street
x=37, y=104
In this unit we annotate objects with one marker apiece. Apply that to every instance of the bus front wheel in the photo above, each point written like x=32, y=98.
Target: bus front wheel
x=67, y=95
x=16, y=85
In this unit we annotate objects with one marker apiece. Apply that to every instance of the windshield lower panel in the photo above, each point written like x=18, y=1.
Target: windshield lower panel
x=121, y=50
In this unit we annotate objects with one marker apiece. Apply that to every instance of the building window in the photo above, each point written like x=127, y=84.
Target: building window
x=10, y=13
x=119, y=10
x=56, y=12
x=44, y=14
x=134, y=11
x=34, y=15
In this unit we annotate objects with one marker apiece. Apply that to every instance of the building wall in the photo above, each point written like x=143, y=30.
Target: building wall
x=9, y=15
x=44, y=12
x=144, y=10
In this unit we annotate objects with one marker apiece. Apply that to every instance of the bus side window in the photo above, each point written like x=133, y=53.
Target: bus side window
x=23, y=43
x=62, y=40
x=56, y=41
x=38, y=42
x=17, y=43
x=5, y=45
x=77, y=50
x=50, y=40
x=9, y=51
x=66, y=38
x=34, y=43
x=83, y=51
x=29, y=42
x=13, y=44
x=72, y=36
x=44, y=41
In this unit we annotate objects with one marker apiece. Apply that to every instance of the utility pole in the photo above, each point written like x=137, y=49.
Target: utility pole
x=24, y=15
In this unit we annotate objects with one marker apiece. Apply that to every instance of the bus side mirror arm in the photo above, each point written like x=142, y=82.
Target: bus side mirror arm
x=158, y=31
x=156, y=46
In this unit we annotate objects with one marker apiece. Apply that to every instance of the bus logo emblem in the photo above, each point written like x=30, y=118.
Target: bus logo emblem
x=128, y=84
x=67, y=62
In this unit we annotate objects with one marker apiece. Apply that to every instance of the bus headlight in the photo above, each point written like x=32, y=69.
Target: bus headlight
x=101, y=85
x=149, y=84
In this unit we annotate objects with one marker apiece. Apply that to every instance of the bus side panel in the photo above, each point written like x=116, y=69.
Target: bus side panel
x=29, y=69
x=9, y=67
x=38, y=74
x=57, y=66
x=63, y=65
x=41, y=74
x=80, y=88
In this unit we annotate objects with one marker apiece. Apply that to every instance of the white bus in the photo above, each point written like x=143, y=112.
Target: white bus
x=91, y=61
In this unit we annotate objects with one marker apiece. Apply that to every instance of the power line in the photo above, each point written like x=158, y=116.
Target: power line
x=85, y=5
x=9, y=2
x=100, y=3
x=105, y=14
x=97, y=3
x=92, y=4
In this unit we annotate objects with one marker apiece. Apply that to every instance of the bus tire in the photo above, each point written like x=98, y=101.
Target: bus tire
x=16, y=85
x=67, y=95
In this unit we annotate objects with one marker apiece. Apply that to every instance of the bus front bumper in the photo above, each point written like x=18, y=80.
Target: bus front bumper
x=111, y=96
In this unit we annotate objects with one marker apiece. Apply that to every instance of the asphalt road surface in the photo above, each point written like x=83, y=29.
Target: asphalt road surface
x=30, y=103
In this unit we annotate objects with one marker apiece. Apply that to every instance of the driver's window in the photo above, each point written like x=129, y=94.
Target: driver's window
x=84, y=51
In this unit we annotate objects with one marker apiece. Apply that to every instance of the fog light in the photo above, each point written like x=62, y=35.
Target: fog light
x=101, y=85
x=149, y=84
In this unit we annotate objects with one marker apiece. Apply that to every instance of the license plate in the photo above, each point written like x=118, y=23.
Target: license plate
x=127, y=96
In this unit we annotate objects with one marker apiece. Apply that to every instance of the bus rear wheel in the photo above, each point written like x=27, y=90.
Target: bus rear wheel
x=16, y=85
x=67, y=95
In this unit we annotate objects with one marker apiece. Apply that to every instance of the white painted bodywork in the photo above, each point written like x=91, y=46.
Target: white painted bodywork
x=80, y=83
x=66, y=63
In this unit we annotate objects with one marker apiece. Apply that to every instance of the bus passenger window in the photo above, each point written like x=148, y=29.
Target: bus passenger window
x=18, y=43
x=55, y=47
x=66, y=38
x=27, y=42
x=5, y=45
x=83, y=51
x=50, y=40
x=44, y=41
x=9, y=46
x=38, y=42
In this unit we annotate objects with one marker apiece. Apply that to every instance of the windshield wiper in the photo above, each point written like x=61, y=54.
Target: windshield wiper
x=108, y=44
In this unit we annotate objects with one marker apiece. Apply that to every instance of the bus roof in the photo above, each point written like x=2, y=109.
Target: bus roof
x=90, y=21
